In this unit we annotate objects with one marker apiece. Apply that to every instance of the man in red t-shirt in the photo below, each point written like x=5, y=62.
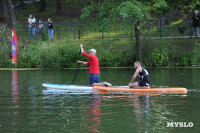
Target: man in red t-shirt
x=94, y=78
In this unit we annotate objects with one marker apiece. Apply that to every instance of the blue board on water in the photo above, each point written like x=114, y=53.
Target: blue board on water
x=65, y=86
x=67, y=91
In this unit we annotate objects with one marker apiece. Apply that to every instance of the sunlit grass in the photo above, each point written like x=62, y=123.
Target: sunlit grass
x=177, y=22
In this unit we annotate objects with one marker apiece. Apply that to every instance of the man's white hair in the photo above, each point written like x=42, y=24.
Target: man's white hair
x=196, y=11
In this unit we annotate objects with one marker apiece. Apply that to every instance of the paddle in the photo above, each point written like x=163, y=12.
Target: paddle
x=77, y=66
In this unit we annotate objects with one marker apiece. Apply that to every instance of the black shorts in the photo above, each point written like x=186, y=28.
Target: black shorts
x=143, y=83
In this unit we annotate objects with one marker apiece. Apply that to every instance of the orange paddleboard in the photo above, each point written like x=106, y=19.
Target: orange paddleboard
x=154, y=90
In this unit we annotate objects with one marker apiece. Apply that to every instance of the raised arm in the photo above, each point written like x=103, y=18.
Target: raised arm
x=82, y=50
x=139, y=69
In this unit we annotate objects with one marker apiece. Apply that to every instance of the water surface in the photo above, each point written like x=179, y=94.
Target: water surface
x=24, y=108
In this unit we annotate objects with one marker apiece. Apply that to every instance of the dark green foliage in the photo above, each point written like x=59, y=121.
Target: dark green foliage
x=5, y=57
x=195, y=54
x=113, y=55
x=170, y=52
x=5, y=49
x=49, y=56
x=158, y=57
x=63, y=53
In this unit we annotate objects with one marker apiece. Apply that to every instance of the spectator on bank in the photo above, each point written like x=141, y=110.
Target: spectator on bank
x=31, y=25
x=40, y=28
x=50, y=29
x=196, y=23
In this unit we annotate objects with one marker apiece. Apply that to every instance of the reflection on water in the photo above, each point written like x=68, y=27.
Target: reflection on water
x=15, y=92
x=25, y=109
x=15, y=95
x=95, y=112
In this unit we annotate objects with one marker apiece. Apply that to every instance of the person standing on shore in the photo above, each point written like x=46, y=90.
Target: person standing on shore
x=94, y=78
x=196, y=23
x=31, y=25
x=50, y=29
x=40, y=28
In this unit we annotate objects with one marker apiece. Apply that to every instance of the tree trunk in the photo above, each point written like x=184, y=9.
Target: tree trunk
x=58, y=12
x=5, y=11
x=35, y=4
x=22, y=3
x=137, y=37
x=42, y=6
x=12, y=12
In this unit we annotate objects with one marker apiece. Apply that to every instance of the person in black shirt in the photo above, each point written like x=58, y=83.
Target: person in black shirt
x=142, y=74
x=196, y=23
x=50, y=29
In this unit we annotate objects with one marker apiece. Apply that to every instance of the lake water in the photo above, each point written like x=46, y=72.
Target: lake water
x=24, y=108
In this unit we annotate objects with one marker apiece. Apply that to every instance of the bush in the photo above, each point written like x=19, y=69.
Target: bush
x=5, y=46
x=195, y=54
x=170, y=52
x=64, y=53
x=157, y=57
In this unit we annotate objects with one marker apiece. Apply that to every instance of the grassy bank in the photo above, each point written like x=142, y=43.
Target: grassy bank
x=63, y=52
x=171, y=52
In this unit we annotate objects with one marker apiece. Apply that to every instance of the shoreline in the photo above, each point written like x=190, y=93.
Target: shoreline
x=1, y=69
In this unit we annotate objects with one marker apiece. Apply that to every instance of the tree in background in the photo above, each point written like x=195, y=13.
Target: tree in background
x=184, y=6
x=12, y=13
x=42, y=6
x=112, y=12
x=58, y=11
x=5, y=11
x=74, y=6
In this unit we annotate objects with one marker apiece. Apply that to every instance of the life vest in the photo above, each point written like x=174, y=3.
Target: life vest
x=142, y=74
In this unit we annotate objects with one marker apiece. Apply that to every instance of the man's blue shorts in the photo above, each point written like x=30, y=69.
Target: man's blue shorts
x=94, y=78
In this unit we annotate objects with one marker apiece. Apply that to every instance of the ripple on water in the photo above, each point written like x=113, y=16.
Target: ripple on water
x=24, y=108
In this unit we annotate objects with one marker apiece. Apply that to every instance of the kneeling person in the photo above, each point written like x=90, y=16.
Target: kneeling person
x=94, y=78
x=142, y=74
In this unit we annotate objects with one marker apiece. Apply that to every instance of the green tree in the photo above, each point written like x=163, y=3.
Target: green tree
x=184, y=6
x=112, y=11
